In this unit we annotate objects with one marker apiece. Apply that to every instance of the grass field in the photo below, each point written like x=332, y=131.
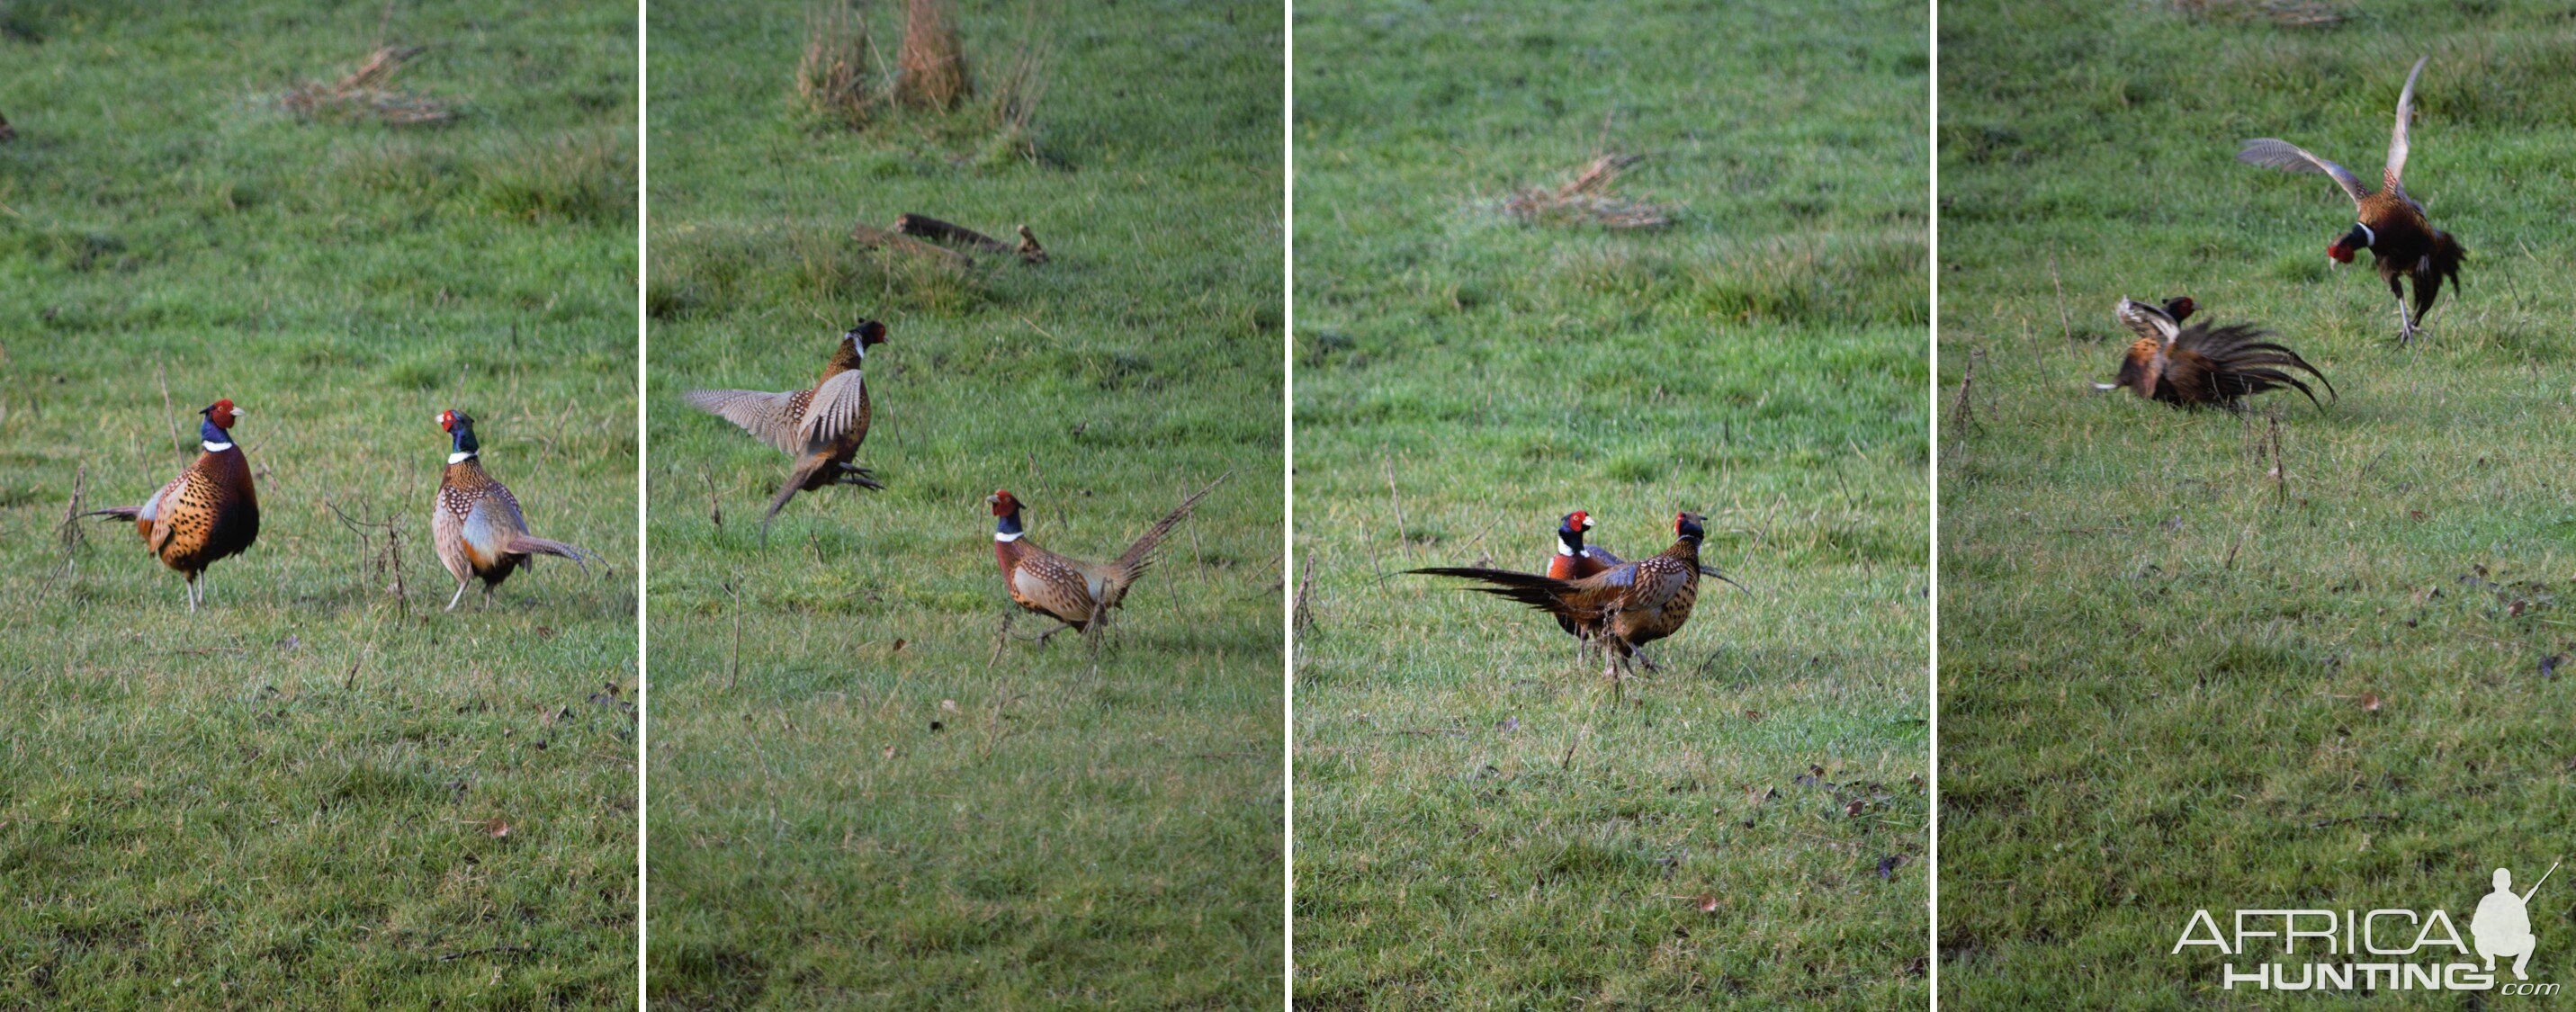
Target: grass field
x=2170, y=682
x=289, y=798
x=827, y=829
x=1481, y=821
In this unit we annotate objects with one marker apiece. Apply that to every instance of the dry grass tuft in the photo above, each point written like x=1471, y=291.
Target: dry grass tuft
x=368, y=93
x=838, y=77
x=1586, y=199
x=1023, y=82
x=931, y=70
x=2285, y=13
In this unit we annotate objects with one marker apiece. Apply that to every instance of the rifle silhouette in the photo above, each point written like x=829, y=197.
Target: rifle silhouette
x=2544, y=877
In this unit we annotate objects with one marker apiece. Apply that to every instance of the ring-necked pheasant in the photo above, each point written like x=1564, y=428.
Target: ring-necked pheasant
x=1077, y=594
x=477, y=528
x=2202, y=365
x=2389, y=223
x=1624, y=607
x=821, y=426
x=208, y=512
x=1575, y=560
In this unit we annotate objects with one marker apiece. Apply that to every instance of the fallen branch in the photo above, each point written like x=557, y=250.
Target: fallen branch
x=873, y=237
x=936, y=230
x=927, y=227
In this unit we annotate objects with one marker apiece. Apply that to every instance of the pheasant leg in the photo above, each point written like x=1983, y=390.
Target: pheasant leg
x=2405, y=320
x=852, y=474
x=460, y=594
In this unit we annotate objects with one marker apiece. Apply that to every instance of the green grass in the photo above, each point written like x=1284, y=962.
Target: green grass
x=825, y=830
x=1463, y=379
x=2154, y=658
x=281, y=801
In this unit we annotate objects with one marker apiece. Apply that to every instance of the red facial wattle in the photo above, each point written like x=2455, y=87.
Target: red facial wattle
x=2341, y=253
x=1003, y=504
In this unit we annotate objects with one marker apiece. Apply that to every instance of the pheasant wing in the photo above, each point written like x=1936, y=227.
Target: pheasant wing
x=1054, y=585
x=763, y=414
x=493, y=522
x=834, y=410
x=2148, y=321
x=2397, y=145
x=2287, y=157
x=1654, y=581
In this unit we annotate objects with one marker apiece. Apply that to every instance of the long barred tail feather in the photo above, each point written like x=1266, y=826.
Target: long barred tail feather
x=1140, y=556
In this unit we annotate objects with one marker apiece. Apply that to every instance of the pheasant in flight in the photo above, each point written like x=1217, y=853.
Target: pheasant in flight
x=2390, y=224
x=821, y=426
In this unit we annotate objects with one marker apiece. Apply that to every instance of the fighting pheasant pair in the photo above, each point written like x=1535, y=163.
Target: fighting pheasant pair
x=210, y=512
x=2201, y=365
x=823, y=425
x=1601, y=600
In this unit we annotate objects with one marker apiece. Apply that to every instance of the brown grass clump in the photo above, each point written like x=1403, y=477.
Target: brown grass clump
x=1586, y=199
x=931, y=72
x=1023, y=83
x=838, y=77
x=368, y=92
x=2285, y=13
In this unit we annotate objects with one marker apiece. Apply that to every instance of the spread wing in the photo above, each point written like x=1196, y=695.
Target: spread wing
x=763, y=414
x=835, y=408
x=2397, y=134
x=2149, y=321
x=2287, y=157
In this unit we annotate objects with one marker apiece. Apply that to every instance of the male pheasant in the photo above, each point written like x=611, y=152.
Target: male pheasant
x=1575, y=560
x=2390, y=224
x=209, y=512
x=2202, y=365
x=1076, y=594
x=821, y=426
x=476, y=528
x=1623, y=607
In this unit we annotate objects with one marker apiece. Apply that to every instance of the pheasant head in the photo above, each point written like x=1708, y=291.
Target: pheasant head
x=1007, y=511
x=855, y=343
x=460, y=429
x=1569, y=532
x=217, y=428
x=2359, y=237
x=1690, y=526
